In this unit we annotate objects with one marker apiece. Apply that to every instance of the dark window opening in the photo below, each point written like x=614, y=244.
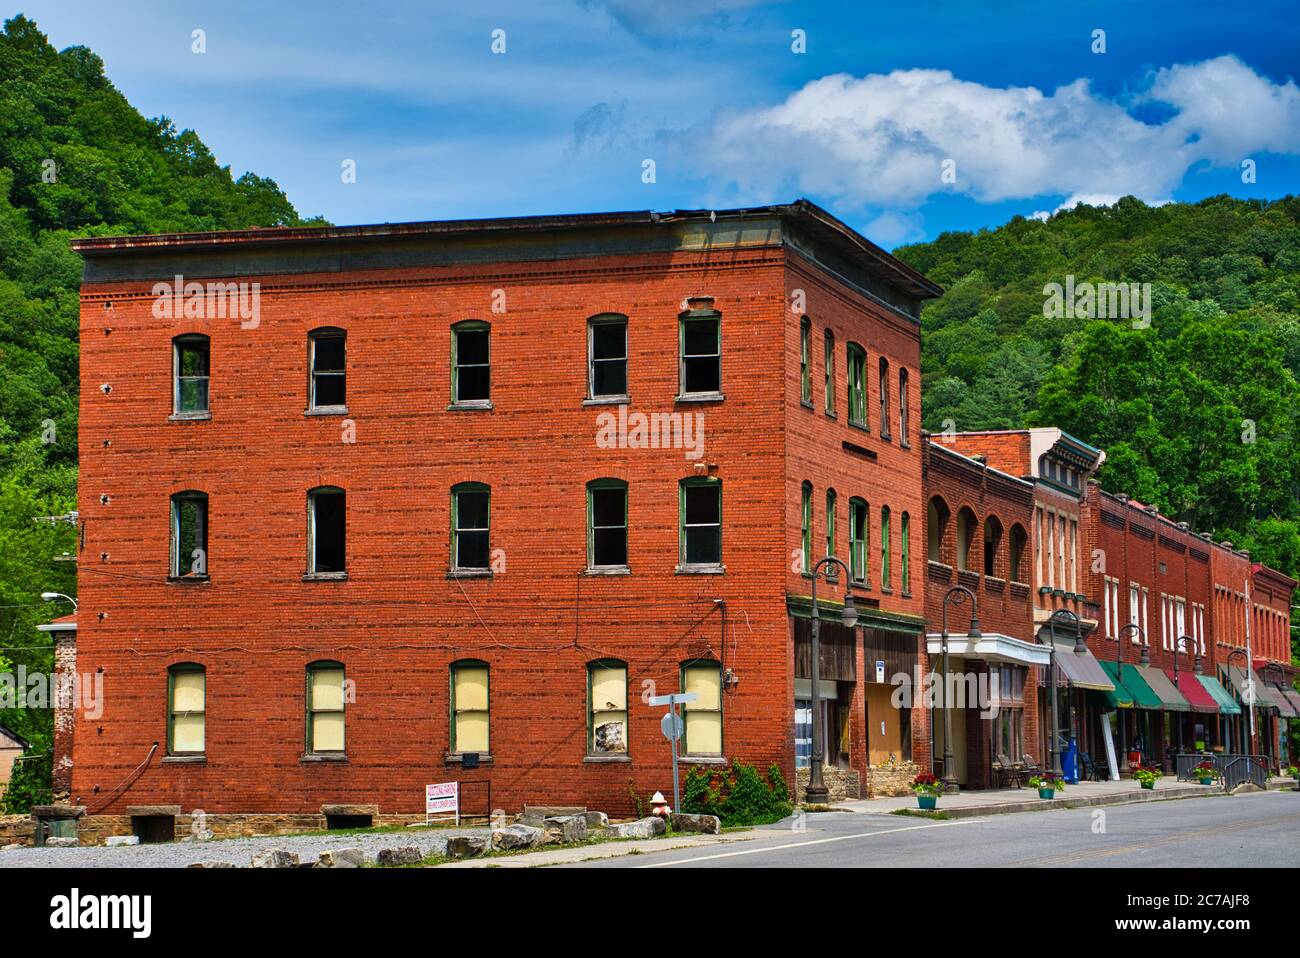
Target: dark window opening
x=471, y=371
x=471, y=530
x=702, y=524
x=328, y=369
x=192, y=355
x=701, y=356
x=328, y=531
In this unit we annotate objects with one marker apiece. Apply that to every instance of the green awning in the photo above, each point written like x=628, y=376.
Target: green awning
x=1170, y=698
x=1227, y=705
x=1120, y=697
x=1139, y=691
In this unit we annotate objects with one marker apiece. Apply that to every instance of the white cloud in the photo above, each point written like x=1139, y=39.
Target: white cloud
x=881, y=140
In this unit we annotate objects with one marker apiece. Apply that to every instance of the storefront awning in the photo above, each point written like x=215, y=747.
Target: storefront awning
x=1132, y=680
x=1272, y=695
x=1170, y=698
x=1198, y=697
x=1222, y=697
x=989, y=647
x=1080, y=668
x=1292, y=696
x=1266, y=695
x=1119, y=696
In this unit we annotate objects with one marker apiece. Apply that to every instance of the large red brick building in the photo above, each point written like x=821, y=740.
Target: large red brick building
x=375, y=507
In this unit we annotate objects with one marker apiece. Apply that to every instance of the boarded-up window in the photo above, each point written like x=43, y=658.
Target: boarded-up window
x=607, y=719
x=325, y=707
x=469, y=707
x=703, y=733
x=187, y=709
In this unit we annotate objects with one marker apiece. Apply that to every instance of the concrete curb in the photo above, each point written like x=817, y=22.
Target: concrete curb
x=1043, y=805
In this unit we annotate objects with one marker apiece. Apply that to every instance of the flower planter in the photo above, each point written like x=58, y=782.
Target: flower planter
x=1206, y=781
x=1148, y=785
x=1046, y=793
x=927, y=802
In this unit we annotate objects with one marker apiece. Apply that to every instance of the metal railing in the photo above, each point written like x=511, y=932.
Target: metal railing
x=1245, y=768
x=1235, y=768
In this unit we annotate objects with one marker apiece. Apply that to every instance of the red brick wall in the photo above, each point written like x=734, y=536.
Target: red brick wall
x=398, y=621
x=1004, y=606
x=815, y=451
x=1005, y=451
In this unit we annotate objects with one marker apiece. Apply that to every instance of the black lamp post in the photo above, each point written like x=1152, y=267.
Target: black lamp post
x=817, y=793
x=958, y=594
x=1180, y=644
x=1129, y=629
x=1054, y=750
x=1248, y=694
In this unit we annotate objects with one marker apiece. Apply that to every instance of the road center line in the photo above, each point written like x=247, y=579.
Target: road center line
x=815, y=841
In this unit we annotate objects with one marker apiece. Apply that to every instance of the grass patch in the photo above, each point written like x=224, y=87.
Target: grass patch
x=921, y=813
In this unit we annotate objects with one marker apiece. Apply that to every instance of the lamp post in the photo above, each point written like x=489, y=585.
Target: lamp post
x=51, y=596
x=1180, y=644
x=817, y=793
x=1131, y=628
x=958, y=594
x=1248, y=695
x=1054, y=751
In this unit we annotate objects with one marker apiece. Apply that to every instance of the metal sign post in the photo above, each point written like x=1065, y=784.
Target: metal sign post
x=672, y=726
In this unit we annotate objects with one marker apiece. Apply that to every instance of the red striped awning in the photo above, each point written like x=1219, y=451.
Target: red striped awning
x=1197, y=697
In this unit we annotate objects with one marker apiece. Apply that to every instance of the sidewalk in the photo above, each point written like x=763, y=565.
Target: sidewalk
x=1000, y=801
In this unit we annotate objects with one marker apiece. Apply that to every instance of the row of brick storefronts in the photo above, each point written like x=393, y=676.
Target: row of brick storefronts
x=404, y=526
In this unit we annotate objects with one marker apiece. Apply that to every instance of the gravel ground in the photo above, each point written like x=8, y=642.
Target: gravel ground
x=236, y=851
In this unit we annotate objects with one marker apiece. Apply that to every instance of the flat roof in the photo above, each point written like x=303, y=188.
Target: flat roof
x=811, y=218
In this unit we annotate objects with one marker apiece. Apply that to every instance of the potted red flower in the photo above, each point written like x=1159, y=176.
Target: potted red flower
x=1206, y=773
x=1147, y=776
x=927, y=789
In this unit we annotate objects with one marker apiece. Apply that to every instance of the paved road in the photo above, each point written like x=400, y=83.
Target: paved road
x=1238, y=831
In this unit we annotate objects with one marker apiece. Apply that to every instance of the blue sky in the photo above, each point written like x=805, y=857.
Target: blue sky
x=1009, y=98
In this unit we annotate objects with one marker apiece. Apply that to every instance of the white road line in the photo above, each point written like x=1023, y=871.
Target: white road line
x=815, y=841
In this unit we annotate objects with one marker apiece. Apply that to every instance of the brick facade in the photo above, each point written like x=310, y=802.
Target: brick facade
x=398, y=620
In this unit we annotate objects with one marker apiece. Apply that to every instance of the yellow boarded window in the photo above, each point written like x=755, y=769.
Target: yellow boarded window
x=325, y=709
x=608, y=697
x=703, y=733
x=469, y=703
x=188, y=710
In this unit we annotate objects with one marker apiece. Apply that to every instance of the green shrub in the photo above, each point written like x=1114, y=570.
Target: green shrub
x=738, y=796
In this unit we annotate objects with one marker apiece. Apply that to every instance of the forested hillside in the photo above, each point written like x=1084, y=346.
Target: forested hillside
x=75, y=160
x=1199, y=413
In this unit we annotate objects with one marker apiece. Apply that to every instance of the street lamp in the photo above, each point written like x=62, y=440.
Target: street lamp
x=1054, y=751
x=817, y=793
x=958, y=594
x=1129, y=629
x=51, y=596
x=1248, y=693
x=1180, y=644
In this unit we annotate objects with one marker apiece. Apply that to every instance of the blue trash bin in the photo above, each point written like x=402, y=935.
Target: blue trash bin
x=1070, y=762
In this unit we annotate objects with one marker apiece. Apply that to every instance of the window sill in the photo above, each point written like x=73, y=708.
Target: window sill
x=831, y=415
x=474, y=405
x=189, y=416
x=903, y=444
x=860, y=427
x=699, y=397
x=325, y=577
x=469, y=573
x=607, y=401
x=886, y=437
x=308, y=757
x=863, y=585
x=608, y=570
x=458, y=758
x=607, y=759
x=189, y=579
x=806, y=404
x=185, y=760
x=325, y=411
x=700, y=569
x=705, y=759
x=886, y=590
